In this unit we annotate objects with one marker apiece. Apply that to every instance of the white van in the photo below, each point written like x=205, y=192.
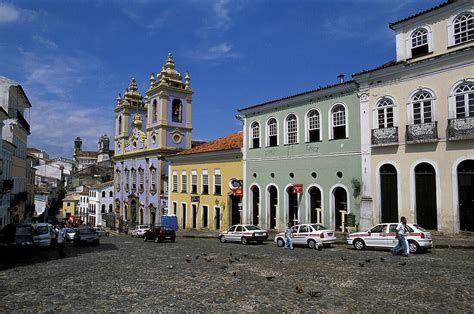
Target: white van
x=43, y=234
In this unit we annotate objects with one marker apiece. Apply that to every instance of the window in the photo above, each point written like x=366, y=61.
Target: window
x=314, y=126
x=134, y=180
x=154, y=111
x=175, y=181
x=103, y=209
x=272, y=131
x=291, y=129
x=205, y=182
x=164, y=184
x=119, y=131
x=103, y=193
x=118, y=178
x=194, y=183
x=127, y=180
x=419, y=42
x=205, y=215
x=184, y=182
x=217, y=182
x=255, y=135
x=141, y=180
x=111, y=194
x=384, y=110
x=110, y=208
x=176, y=110
x=152, y=179
x=175, y=208
x=338, y=122
x=422, y=107
x=463, y=28
x=464, y=96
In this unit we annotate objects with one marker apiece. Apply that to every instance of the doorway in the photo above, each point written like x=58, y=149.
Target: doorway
x=292, y=206
x=315, y=207
x=425, y=196
x=255, y=204
x=388, y=193
x=340, y=206
x=183, y=215
x=194, y=211
x=235, y=215
x=465, y=172
x=273, y=204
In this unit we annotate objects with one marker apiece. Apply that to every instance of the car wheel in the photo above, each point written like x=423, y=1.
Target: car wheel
x=145, y=239
x=311, y=244
x=173, y=239
x=413, y=247
x=359, y=244
x=222, y=239
x=244, y=240
x=280, y=242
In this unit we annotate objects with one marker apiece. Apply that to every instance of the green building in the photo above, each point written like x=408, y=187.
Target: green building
x=302, y=158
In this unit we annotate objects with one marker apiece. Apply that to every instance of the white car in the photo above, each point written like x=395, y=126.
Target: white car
x=243, y=234
x=383, y=236
x=101, y=231
x=311, y=235
x=70, y=233
x=140, y=230
x=43, y=234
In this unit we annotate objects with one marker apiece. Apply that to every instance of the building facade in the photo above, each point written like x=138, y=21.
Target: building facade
x=205, y=184
x=302, y=158
x=418, y=123
x=147, y=130
x=101, y=199
x=84, y=159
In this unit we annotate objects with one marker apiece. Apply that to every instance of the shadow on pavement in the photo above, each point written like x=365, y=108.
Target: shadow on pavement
x=10, y=259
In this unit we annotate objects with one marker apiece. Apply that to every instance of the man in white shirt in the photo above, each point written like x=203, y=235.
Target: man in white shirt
x=402, y=242
x=288, y=236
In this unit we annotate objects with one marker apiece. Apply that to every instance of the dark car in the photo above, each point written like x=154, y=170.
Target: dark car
x=18, y=237
x=159, y=234
x=86, y=236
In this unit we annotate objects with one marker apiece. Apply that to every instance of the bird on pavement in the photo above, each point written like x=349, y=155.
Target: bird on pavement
x=368, y=260
x=237, y=259
x=188, y=260
x=403, y=264
x=299, y=289
x=343, y=258
x=231, y=260
x=223, y=267
x=382, y=259
x=230, y=254
x=314, y=294
x=170, y=267
x=269, y=278
x=361, y=265
x=234, y=273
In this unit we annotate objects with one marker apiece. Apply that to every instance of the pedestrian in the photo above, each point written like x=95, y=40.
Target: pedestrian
x=61, y=241
x=402, y=241
x=288, y=236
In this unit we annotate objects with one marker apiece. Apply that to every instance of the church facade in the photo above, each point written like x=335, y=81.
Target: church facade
x=147, y=130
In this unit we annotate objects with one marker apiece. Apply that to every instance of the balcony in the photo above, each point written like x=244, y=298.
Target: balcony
x=23, y=121
x=385, y=136
x=461, y=129
x=422, y=133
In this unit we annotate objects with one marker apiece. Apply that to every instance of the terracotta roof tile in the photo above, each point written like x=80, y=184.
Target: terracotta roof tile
x=232, y=141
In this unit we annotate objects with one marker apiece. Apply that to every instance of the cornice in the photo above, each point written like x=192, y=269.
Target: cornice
x=229, y=154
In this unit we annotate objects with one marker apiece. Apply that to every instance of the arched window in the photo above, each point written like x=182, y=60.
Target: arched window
x=111, y=194
x=255, y=135
x=141, y=180
x=272, y=132
x=419, y=42
x=291, y=129
x=422, y=107
x=134, y=180
x=176, y=110
x=384, y=109
x=103, y=209
x=464, y=96
x=314, y=126
x=110, y=208
x=463, y=28
x=154, y=111
x=338, y=122
x=103, y=193
x=153, y=179
x=119, y=131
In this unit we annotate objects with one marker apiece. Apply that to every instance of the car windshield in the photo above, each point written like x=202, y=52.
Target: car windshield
x=71, y=231
x=86, y=231
x=42, y=230
x=251, y=227
x=318, y=227
x=23, y=231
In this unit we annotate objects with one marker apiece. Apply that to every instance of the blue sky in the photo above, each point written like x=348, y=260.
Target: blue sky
x=74, y=57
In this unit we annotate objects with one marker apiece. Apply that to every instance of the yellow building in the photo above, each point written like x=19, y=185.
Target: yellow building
x=70, y=205
x=205, y=184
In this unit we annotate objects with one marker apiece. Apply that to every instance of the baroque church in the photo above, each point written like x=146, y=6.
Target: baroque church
x=147, y=130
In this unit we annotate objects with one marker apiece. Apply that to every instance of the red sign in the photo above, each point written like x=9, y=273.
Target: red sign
x=297, y=188
x=238, y=191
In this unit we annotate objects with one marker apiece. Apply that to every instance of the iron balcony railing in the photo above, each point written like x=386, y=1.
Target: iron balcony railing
x=461, y=128
x=385, y=136
x=422, y=133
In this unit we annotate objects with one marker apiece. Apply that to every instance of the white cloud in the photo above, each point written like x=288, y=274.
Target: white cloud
x=221, y=10
x=45, y=42
x=8, y=13
x=151, y=23
x=217, y=52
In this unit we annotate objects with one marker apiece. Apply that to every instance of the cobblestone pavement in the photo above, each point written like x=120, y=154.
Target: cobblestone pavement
x=126, y=274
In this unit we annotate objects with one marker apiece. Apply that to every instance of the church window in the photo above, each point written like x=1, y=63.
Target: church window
x=175, y=181
x=134, y=180
x=314, y=126
x=141, y=180
x=154, y=111
x=176, y=110
x=153, y=179
x=117, y=180
x=291, y=129
x=463, y=28
x=194, y=182
x=127, y=180
x=205, y=182
x=422, y=107
x=184, y=182
x=464, y=96
x=338, y=122
x=272, y=131
x=255, y=134
x=419, y=42
x=384, y=110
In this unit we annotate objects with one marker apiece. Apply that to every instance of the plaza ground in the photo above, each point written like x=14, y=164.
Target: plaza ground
x=196, y=274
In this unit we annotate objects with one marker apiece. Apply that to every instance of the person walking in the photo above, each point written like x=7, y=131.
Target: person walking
x=288, y=236
x=402, y=242
x=61, y=241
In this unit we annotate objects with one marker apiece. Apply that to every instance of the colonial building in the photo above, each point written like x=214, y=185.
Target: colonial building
x=302, y=158
x=102, y=156
x=100, y=199
x=70, y=207
x=418, y=123
x=205, y=186
x=147, y=130
x=15, y=131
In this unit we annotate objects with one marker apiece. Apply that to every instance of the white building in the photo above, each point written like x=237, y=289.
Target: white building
x=101, y=199
x=83, y=205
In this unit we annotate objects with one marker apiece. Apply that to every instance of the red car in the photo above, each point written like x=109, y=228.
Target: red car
x=158, y=234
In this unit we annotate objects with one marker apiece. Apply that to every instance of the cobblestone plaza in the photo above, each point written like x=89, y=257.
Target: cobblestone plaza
x=127, y=274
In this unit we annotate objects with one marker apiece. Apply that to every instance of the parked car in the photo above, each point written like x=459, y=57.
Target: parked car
x=243, y=234
x=44, y=234
x=140, y=230
x=383, y=236
x=86, y=235
x=70, y=233
x=158, y=234
x=311, y=235
x=101, y=231
x=18, y=237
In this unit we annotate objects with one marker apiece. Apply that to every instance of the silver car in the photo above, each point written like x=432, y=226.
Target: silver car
x=140, y=230
x=243, y=234
x=311, y=235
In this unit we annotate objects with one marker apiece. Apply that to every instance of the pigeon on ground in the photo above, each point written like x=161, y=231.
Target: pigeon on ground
x=223, y=267
x=188, y=260
x=299, y=289
x=230, y=254
x=231, y=260
x=314, y=294
x=203, y=254
x=208, y=259
x=245, y=255
x=234, y=273
x=170, y=267
x=382, y=259
x=361, y=265
x=237, y=259
x=197, y=256
x=343, y=258
x=269, y=278
x=403, y=264
x=368, y=260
